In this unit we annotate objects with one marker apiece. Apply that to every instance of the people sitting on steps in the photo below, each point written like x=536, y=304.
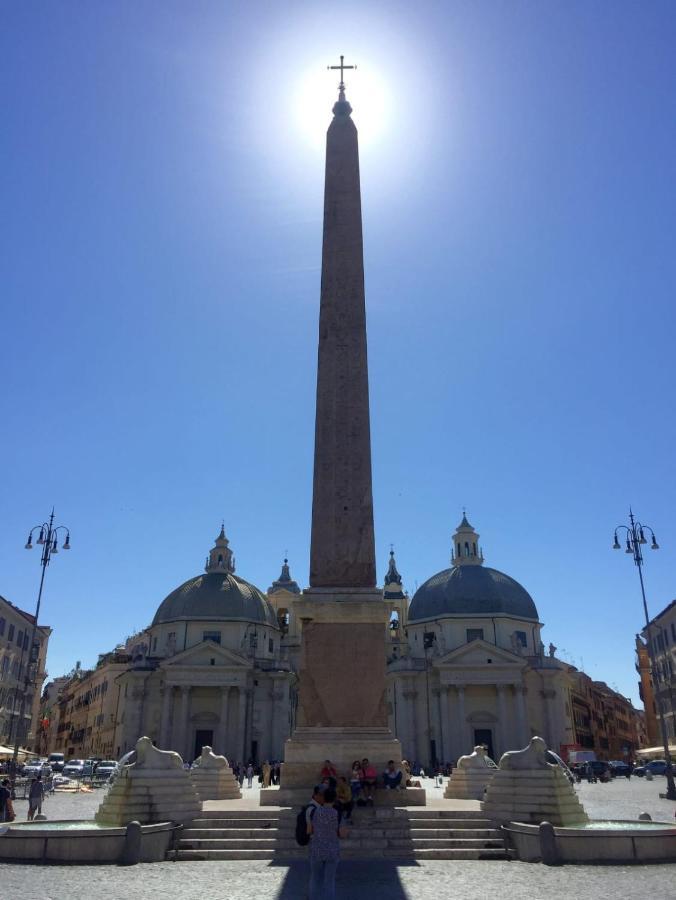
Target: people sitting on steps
x=363, y=782
x=392, y=777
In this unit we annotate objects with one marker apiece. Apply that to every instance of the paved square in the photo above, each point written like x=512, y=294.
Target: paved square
x=433, y=880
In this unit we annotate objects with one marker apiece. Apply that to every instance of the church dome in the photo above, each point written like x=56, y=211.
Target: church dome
x=217, y=595
x=470, y=591
x=469, y=588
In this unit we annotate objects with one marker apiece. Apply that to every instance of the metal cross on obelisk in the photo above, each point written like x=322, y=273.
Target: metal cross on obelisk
x=342, y=67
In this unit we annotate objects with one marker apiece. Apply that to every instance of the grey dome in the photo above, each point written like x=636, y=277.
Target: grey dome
x=216, y=596
x=471, y=590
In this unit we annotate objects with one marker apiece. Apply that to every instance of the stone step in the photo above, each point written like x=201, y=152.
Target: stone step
x=300, y=853
x=426, y=833
x=222, y=854
x=229, y=844
x=451, y=823
x=450, y=853
x=444, y=843
x=236, y=823
x=427, y=813
x=191, y=834
x=247, y=813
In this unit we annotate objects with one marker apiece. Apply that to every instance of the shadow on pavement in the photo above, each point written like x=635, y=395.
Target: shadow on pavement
x=356, y=880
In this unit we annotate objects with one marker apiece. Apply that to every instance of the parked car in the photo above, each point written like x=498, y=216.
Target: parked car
x=32, y=768
x=105, y=769
x=74, y=768
x=57, y=761
x=619, y=769
x=655, y=766
x=556, y=760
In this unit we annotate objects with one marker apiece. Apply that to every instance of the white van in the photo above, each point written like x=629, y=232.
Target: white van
x=56, y=761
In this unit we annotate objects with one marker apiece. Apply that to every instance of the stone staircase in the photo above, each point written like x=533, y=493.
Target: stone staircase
x=417, y=833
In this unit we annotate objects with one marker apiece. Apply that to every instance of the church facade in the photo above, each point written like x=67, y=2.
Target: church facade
x=467, y=665
x=219, y=663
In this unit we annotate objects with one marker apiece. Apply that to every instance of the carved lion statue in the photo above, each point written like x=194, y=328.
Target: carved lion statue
x=149, y=757
x=532, y=757
x=475, y=760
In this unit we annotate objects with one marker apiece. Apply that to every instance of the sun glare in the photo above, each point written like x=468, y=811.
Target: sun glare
x=317, y=91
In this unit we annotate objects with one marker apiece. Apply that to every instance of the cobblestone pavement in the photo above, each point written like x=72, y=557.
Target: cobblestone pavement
x=434, y=880
x=243, y=880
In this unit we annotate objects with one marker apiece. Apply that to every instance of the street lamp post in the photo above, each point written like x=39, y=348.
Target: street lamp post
x=634, y=539
x=48, y=539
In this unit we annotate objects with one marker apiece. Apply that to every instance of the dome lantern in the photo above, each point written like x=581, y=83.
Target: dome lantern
x=465, y=550
x=220, y=557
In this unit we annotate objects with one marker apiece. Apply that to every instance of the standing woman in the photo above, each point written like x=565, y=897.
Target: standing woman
x=325, y=833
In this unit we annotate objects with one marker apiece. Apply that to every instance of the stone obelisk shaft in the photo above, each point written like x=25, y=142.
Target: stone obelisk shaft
x=343, y=551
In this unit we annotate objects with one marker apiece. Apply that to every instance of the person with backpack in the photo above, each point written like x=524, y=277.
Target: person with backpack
x=306, y=813
x=324, y=831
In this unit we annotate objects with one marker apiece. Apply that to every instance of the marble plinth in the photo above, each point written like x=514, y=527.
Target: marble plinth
x=526, y=788
x=471, y=777
x=212, y=778
x=155, y=788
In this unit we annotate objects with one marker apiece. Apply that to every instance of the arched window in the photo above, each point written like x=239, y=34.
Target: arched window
x=459, y=549
x=466, y=548
x=474, y=546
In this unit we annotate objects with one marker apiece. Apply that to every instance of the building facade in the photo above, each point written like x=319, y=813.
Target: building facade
x=17, y=660
x=660, y=636
x=604, y=721
x=465, y=665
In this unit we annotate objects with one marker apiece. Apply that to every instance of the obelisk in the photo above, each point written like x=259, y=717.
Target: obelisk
x=342, y=552
x=342, y=713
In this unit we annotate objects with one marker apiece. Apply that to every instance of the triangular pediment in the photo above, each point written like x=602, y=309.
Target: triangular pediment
x=202, y=654
x=477, y=653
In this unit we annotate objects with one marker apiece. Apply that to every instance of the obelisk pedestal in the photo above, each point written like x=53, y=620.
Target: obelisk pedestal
x=342, y=714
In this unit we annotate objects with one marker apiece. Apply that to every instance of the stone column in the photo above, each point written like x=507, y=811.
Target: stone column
x=410, y=695
x=504, y=730
x=548, y=696
x=276, y=698
x=523, y=728
x=222, y=730
x=445, y=749
x=165, y=721
x=241, y=726
x=184, y=724
x=464, y=740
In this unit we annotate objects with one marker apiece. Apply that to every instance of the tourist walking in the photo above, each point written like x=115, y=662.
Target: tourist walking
x=324, y=830
x=35, y=797
x=249, y=775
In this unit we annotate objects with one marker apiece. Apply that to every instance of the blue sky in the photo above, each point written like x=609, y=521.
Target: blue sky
x=162, y=177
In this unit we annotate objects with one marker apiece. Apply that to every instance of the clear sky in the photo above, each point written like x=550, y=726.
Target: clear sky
x=161, y=185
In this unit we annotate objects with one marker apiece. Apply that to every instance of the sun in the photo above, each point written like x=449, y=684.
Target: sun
x=317, y=91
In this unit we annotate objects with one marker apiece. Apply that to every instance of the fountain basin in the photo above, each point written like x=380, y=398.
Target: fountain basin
x=73, y=841
x=597, y=841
